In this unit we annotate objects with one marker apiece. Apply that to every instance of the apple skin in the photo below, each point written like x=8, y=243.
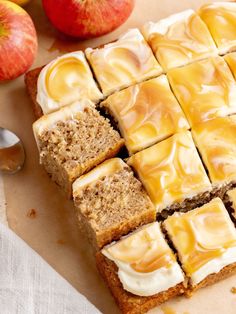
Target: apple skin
x=18, y=41
x=87, y=18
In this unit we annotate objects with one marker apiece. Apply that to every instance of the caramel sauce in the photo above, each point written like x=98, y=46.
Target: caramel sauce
x=12, y=158
x=233, y=290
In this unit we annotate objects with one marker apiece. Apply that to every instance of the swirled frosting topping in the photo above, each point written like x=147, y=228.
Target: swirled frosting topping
x=66, y=80
x=171, y=170
x=179, y=39
x=230, y=58
x=220, y=18
x=201, y=235
x=215, y=140
x=205, y=89
x=124, y=62
x=146, y=113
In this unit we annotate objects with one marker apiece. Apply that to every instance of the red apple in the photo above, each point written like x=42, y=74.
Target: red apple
x=18, y=41
x=87, y=18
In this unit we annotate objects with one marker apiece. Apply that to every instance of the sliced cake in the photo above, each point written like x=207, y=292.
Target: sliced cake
x=111, y=202
x=205, y=89
x=146, y=113
x=220, y=18
x=73, y=140
x=179, y=39
x=124, y=62
x=230, y=58
x=205, y=240
x=215, y=140
x=141, y=270
x=173, y=174
x=65, y=80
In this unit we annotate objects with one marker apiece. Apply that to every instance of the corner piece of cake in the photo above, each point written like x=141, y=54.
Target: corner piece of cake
x=73, y=140
x=215, y=140
x=146, y=113
x=179, y=39
x=63, y=81
x=111, y=202
x=220, y=19
x=205, y=89
x=173, y=174
x=205, y=240
x=230, y=58
x=124, y=62
x=141, y=270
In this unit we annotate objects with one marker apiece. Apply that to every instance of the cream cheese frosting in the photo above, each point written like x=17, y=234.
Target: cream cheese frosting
x=179, y=39
x=124, y=62
x=171, y=170
x=65, y=80
x=205, y=89
x=146, y=113
x=215, y=140
x=230, y=58
x=220, y=17
x=205, y=239
x=146, y=264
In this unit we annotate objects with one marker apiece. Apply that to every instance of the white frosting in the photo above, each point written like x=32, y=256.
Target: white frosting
x=48, y=104
x=214, y=266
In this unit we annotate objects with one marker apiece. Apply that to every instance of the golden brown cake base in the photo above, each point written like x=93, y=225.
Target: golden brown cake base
x=225, y=272
x=128, y=302
x=31, y=79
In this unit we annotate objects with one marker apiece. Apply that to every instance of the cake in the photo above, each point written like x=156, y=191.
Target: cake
x=205, y=240
x=172, y=174
x=141, y=270
x=124, y=62
x=220, y=19
x=179, y=39
x=205, y=89
x=63, y=81
x=215, y=140
x=73, y=140
x=230, y=58
x=110, y=202
x=146, y=113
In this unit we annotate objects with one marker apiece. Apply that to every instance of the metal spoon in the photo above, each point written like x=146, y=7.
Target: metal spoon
x=12, y=154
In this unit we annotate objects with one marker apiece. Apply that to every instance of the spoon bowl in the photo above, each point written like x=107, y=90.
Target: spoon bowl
x=12, y=154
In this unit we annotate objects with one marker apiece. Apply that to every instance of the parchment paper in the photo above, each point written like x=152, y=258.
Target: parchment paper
x=38, y=211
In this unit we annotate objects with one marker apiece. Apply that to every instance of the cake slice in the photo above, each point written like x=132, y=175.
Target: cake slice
x=179, y=39
x=215, y=140
x=205, y=89
x=73, y=140
x=205, y=240
x=65, y=80
x=220, y=19
x=146, y=113
x=230, y=58
x=173, y=174
x=124, y=62
x=141, y=270
x=111, y=202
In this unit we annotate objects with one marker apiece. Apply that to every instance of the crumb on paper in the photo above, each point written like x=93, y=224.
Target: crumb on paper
x=60, y=241
x=233, y=290
x=32, y=213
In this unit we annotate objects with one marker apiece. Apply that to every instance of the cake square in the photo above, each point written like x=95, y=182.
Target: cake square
x=65, y=80
x=215, y=140
x=110, y=202
x=220, y=19
x=205, y=89
x=172, y=173
x=230, y=58
x=141, y=270
x=179, y=39
x=124, y=62
x=73, y=140
x=146, y=113
x=205, y=240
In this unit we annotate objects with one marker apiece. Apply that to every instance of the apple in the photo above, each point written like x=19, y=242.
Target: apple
x=21, y=2
x=87, y=18
x=18, y=41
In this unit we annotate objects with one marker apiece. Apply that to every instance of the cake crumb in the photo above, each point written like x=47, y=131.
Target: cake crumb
x=60, y=241
x=233, y=290
x=32, y=213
